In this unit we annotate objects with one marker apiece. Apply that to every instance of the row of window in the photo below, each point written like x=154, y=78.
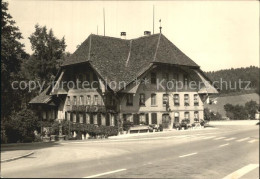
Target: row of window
x=84, y=100
x=88, y=77
x=144, y=118
x=165, y=76
x=92, y=118
x=88, y=100
x=176, y=99
x=50, y=114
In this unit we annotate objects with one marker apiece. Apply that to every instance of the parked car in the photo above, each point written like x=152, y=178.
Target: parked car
x=185, y=123
x=225, y=118
x=154, y=127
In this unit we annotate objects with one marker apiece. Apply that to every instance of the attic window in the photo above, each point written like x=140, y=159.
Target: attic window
x=153, y=78
x=74, y=100
x=68, y=100
x=129, y=100
x=81, y=100
x=142, y=99
x=196, y=100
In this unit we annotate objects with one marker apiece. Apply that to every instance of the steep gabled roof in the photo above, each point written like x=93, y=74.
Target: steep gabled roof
x=42, y=98
x=123, y=60
x=167, y=52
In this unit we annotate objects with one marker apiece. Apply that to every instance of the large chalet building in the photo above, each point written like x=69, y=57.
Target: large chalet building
x=143, y=80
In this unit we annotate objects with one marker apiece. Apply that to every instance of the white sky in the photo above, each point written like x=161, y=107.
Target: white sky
x=215, y=34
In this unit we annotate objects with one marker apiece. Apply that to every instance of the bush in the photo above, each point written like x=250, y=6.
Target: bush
x=239, y=112
x=208, y=115
x=203, y=122
x=92, y=129
x=216, y=117
x=21, y=126
x=251, y=108
x=176, y=125
x=28, y=139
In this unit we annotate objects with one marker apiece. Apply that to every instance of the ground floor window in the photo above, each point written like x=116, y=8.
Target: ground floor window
x=142, y=118
x=112, y=120
x=154, y=118
x=87, y=118
x=103, y=119
x=80, y=118
x=95, y=119
x=74, y=117
x=176, y=117
x=196, y=116
x=128, y=117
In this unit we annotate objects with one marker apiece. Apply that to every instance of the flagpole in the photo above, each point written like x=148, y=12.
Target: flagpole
x=153, y=19
x=104, y=21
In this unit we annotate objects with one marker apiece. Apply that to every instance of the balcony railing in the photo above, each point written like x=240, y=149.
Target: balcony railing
x=91, y=108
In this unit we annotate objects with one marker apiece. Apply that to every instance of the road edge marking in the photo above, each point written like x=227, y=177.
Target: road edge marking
x=106, y=173
x=181, y=156
x=229, y=139
x=240, y=140
x=220, y=138
x=18, y=157
x=252, y=141
x=223, y=145
x=242, y=171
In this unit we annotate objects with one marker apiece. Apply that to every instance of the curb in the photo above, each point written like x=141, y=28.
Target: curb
x=18, y=157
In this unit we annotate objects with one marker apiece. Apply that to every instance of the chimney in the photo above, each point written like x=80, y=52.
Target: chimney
x=123, y=35
x=147, y=33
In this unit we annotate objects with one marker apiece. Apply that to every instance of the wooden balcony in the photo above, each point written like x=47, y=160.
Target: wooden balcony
x=90, y=108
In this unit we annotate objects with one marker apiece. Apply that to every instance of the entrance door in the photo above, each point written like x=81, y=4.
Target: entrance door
x=166, y=121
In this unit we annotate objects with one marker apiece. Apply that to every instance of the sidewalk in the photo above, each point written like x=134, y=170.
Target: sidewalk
x=7, y=156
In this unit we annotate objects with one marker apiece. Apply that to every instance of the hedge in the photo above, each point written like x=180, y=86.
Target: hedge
x=92, y=129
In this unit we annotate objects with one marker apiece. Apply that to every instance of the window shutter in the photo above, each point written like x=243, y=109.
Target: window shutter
x=91, y=118
x=147, y=119
x=135, y=119
x=99, y=118
x=71, y=117
x=66, y=116
x=115, y=118
x=77, y=117
x=138, y=119
x=107, y=120
x=84, y=118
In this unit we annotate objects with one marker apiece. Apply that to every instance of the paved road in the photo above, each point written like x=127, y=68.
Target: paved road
x=229, y=151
